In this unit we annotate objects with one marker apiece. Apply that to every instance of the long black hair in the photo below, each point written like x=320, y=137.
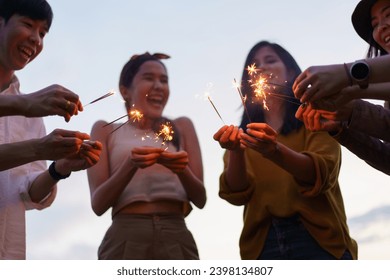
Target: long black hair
x=256, y=112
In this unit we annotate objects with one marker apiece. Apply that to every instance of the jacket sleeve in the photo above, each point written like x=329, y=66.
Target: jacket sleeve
x=372, y=150
x=370, y=119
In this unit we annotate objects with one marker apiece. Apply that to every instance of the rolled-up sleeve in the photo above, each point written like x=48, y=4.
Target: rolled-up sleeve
x=326, y=155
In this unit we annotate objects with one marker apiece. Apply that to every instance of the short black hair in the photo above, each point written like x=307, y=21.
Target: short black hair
x=34, y=9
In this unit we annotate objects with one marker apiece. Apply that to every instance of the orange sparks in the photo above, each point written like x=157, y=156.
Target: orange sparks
x=252, y=69
x=260, y=85
x=135, y=115
x=166, y=132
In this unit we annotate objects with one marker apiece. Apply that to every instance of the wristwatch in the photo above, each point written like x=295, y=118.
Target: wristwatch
x=360, y=72
x=54, y=174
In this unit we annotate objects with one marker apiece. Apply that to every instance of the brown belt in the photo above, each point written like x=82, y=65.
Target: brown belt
x=163, y=206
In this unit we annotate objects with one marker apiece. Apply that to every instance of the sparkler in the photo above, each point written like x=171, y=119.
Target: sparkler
x=212, y=104
x=207, y=94
x=166, y=132
x=111, y=92
x=134, y=115
x=243, y=99
x=262, y=86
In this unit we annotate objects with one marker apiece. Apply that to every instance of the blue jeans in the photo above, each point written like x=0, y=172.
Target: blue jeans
x=288, y=239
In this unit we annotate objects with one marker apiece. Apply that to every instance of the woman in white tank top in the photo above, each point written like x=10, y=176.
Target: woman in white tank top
x=149, y=172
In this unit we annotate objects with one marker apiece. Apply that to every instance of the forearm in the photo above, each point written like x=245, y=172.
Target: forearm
x=41, y=187
x=235, y=173
x=364, y=114
x=194, y=187
x=18, y=153
x=299, y=165
x=11, y=105
x=379, y=69
x=379, y=91
x=105, y=195
x=375, y=152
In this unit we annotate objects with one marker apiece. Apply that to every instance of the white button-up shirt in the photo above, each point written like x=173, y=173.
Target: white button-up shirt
x=15, y=182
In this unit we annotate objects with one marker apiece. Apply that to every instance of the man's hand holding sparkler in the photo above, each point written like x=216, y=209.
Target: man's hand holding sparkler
x=88, y=155
x=52, y=100
x=260, y=137
x=229, y=137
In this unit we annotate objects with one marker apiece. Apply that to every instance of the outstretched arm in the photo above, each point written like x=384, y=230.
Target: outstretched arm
x=58, y=144
x=318, y=82
x=52, y=100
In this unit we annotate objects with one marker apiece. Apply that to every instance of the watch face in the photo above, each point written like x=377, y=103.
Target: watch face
x=360, y=71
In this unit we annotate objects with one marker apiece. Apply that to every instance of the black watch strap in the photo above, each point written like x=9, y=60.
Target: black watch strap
x=54, y=174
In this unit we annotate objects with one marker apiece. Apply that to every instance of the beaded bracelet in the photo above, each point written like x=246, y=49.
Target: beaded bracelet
x=348, y=75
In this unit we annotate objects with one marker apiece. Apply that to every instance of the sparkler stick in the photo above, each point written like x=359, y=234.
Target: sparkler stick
x=116, y=120
x=208, y=97
x=111, y=92
x=243, y=99
x=120, y=126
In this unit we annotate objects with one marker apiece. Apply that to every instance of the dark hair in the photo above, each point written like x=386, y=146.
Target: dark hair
x=130, y=69
x=361, y=21
x=34, y=9
x=256, y=112
x=375, y=50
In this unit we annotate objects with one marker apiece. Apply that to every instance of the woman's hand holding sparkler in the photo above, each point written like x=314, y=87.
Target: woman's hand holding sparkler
x=175, y=161
x=261, y=138
x=146, y=156
x=229, y=137
x=322, y=120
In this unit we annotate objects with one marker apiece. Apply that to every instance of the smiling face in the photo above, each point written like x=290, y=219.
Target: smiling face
x=380, y=21
x=21, y=40
x=269, y=63
x=149, y=90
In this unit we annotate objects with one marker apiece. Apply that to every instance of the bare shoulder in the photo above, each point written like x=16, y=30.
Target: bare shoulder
x=100, y=129
x=183, y=123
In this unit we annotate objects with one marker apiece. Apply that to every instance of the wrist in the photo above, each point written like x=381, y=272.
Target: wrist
x=57, y=174
x=360, y=73
x=273, y=152
x=348, y=75
x=21, y=105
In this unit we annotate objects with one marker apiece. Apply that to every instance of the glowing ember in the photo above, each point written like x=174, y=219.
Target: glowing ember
x=135, y=115
x=166, y=132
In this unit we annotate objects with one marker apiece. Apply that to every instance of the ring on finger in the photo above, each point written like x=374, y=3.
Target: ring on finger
x=67, y=104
